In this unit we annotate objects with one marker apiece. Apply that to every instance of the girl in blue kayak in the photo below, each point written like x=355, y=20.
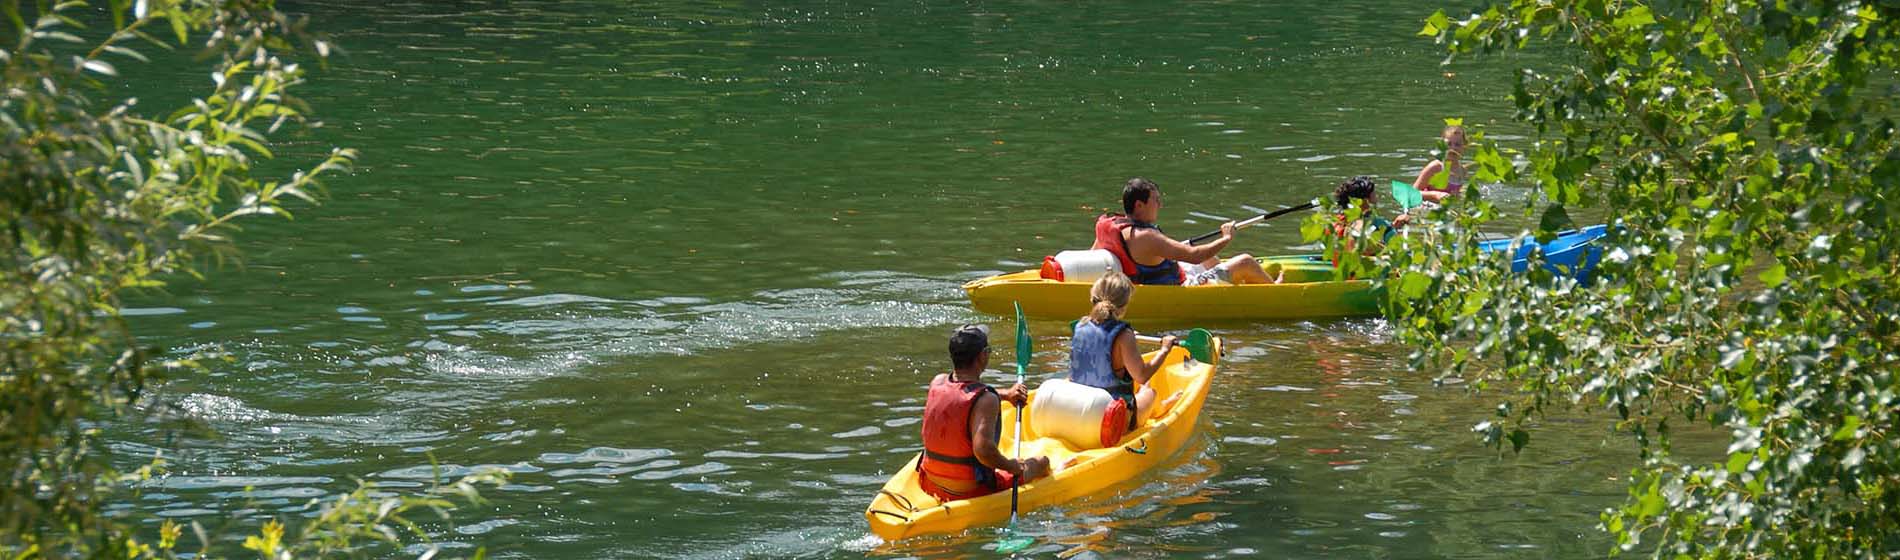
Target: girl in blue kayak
x=1450, y=167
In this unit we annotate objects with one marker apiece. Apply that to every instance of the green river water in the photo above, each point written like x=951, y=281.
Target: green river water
x=685, y=269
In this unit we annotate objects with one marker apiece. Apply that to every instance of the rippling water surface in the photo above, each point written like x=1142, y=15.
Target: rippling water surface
x=685, y=270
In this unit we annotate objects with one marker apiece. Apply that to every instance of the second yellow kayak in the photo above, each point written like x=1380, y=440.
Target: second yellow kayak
x=1308, y=291
x=902, y=509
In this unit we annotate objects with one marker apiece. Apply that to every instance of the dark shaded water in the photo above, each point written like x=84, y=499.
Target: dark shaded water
x=685, y=270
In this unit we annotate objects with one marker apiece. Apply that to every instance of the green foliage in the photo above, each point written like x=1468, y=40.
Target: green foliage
x=1747, y=152
x=96, y=198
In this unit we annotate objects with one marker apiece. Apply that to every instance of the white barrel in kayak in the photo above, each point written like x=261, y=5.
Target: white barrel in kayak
x=1079, y=266
x=1086, y=417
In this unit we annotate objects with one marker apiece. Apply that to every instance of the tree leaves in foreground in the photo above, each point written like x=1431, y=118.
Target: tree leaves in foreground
x=1746, y=153
x=97, y=197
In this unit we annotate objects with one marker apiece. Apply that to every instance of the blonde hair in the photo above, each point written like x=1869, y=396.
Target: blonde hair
x=1109, y=296
x=1445, y=137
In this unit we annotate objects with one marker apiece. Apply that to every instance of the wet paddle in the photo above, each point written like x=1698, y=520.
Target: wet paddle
x=1254, y=220
x=1011, y=542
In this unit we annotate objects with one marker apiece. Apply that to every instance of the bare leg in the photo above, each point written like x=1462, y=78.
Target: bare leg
x=1144, y=401
x=1246, y=270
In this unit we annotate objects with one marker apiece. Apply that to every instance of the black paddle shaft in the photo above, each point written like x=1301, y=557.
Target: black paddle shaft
x=1263, y=217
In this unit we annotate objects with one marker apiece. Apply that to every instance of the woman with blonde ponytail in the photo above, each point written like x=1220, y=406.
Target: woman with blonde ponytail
x=1102, y=352
x=1109, y=297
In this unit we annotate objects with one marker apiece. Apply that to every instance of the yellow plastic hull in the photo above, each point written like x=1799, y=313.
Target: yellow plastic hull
x=902, y=509
x=1308, y=292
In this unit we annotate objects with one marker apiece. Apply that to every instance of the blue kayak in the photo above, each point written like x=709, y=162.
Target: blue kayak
x=1573, y=253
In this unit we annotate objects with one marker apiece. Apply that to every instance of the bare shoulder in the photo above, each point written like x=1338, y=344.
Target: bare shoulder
x=1145, y=234
x=1151, y=241
x=986, y=402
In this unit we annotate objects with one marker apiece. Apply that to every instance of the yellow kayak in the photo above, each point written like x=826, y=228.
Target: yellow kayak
x=902, y=509
x=1308, y=290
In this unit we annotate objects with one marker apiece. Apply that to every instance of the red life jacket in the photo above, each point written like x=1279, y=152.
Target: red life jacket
x=947, y=452
x=1339, y=232
x=1108, y=235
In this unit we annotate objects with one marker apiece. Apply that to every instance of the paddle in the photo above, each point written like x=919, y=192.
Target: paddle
x=1406, y=195
x=1010, y=542
x=1254, y=220
x=1198, y=342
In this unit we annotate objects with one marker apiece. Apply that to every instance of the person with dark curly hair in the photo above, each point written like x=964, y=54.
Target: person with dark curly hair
x=1363, y=192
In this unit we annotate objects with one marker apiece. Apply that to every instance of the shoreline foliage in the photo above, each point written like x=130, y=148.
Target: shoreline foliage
x=1746, y=153
x=97, y=197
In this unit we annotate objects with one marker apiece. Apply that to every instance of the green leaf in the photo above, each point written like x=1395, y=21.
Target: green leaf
x=1649, y=505
x=1313, y=228
x=58, y=36
x=255, y=147
x=1848, y=427
x=1737, y=462
x=178, y=27
x=1435, y=24
x=12, y=10
x=1774, y=275
x=127, y=52
x=1635, y=17
x=99, y=67
x=1414, y=284
x=1555, y=219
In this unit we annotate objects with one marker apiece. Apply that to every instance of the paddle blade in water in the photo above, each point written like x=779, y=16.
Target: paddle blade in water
x=1406, y=195
x=1022, y=341
x=1013, y=544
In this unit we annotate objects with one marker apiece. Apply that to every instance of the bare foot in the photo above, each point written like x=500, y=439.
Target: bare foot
x=1276, y=273
x=1035, y=468
x=1162, y=408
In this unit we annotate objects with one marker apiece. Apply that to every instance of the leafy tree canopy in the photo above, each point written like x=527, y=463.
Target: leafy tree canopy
x=1745, y=153
x=98, y=196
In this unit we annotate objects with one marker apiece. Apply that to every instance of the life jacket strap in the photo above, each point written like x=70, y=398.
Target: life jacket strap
x=954, y=460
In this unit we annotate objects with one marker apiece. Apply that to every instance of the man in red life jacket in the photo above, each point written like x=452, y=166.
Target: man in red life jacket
x=1149, y=256
x=962, y=423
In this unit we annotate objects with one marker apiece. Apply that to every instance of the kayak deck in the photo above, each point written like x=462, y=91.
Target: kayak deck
x=902, y=509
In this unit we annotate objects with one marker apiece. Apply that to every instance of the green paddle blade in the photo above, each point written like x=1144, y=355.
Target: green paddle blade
x=1406, y=195
x=1199, y=344
x=1013, y=544
x=1022, y=341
